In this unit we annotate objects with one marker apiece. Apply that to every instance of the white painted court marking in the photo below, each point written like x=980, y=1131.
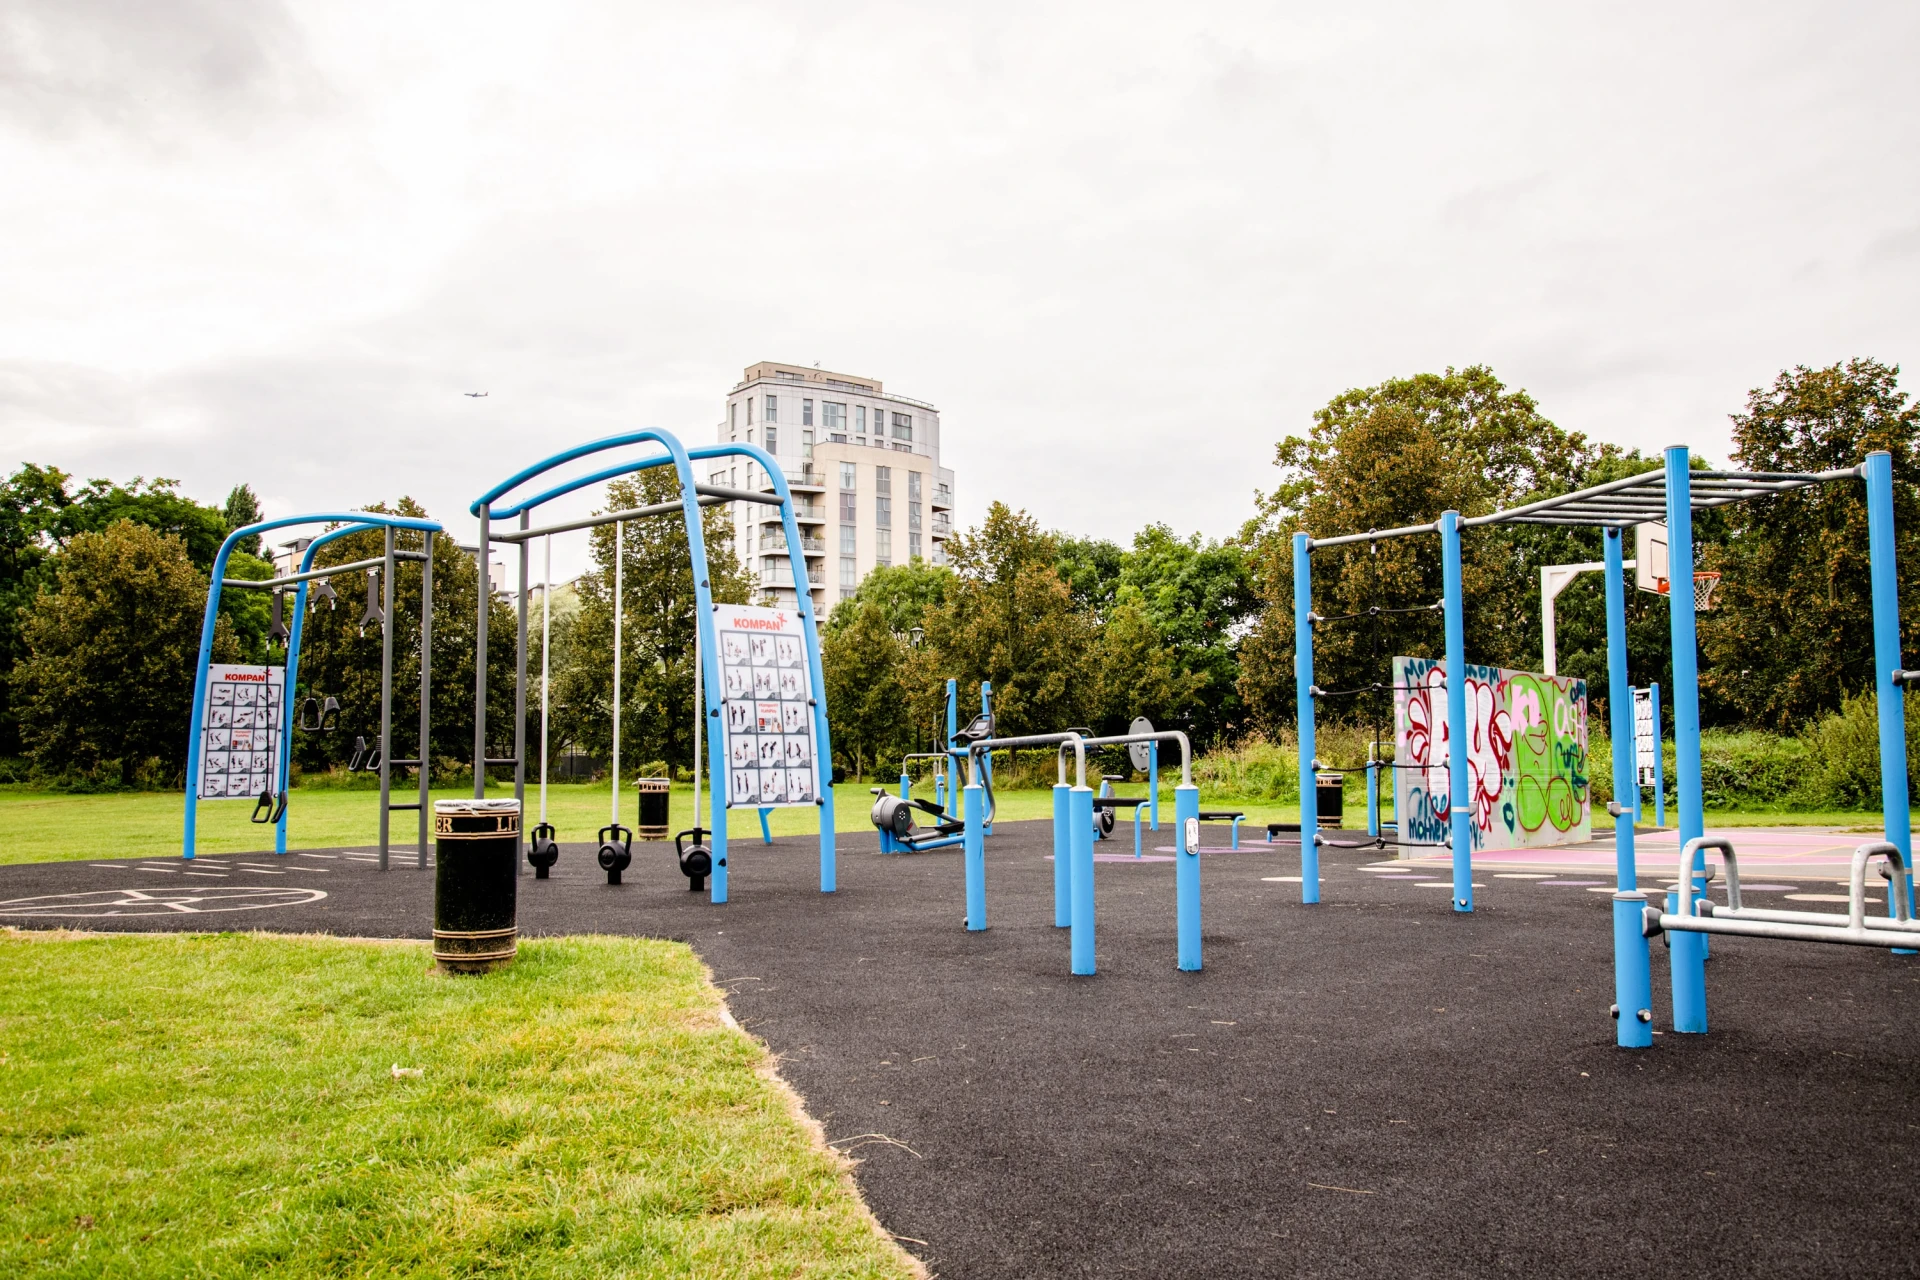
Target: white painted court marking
x=159, y=902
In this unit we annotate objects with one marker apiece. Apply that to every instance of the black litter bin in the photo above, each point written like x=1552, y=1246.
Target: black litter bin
x=1329, y=790
x=476, y=847
x=653, y=822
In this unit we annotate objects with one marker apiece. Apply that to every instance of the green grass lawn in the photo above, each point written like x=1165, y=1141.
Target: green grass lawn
x=39, y=826
x=227, y=1105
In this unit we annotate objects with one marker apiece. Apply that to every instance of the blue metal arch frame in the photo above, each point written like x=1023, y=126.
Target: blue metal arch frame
x=682, y=460
x=361, y=521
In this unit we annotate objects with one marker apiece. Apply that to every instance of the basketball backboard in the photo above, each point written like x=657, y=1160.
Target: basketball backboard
x=1650, y=557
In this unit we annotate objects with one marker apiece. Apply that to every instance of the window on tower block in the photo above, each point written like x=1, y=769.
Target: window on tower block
x=913, y=485
x=913, y=546
x=859, y=417
x=848, y=546
x=883, y=546
x=806, y=413
x=902, y=426
x=883, y=480
x=849, y=571
x=773, y=439
x=773, y=409
x=849, y=505
x=848, y=472
x=883, y=511
x=833, y=416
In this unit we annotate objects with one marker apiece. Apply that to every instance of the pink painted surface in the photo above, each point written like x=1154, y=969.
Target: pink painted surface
x=1813, y=851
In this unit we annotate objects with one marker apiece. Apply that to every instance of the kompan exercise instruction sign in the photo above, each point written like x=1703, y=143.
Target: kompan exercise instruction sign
x=767, y=708
x=1646, y=738
x=240, y=737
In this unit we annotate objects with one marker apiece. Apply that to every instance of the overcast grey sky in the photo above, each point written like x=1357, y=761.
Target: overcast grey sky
x=1124, y=248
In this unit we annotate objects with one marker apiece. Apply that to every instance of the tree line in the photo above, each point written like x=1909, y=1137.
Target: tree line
x=102, y=587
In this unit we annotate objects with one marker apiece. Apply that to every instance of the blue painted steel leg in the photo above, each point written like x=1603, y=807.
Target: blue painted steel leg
x=1458, y=730
x=1688, y=955
x=1373, y=800
x=1186, y=877
x=976, y=851
x=1080, y=834
x=766, y=832
x=1153, y=784
x=1136, y=829
x=1062, y=857
x=1632, y=979
x=829, y=859
x=1659, y=763
x=1303, y=699
x=1877, y=471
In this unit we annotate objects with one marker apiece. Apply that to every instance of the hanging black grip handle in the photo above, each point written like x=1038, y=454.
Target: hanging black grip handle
x=696, y=863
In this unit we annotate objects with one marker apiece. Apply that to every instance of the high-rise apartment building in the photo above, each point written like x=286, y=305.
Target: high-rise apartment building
x=864, y=468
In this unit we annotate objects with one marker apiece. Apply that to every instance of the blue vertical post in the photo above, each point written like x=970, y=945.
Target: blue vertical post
x=1153, y=789
x=1620, y=711
x=1186, y=876
x=975, y=844
x=1632, y=975
x=1688, y=955
x=1459, y=803
x=1373, y=798
x=1659, y=762
x=906, y=784
x=986, y=757
x=1303, y=685
x=1062, y=858
x=1877, y=471
x=1080, y=841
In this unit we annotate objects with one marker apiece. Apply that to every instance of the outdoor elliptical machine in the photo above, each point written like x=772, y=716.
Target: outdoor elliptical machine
x=894, y=815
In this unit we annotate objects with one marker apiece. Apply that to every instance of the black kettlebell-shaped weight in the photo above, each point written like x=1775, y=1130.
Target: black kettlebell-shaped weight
x=696, y=864
x=616, y=851
x=543, y=850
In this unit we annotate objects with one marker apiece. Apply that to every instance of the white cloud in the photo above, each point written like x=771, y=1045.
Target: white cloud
x=1123, y=248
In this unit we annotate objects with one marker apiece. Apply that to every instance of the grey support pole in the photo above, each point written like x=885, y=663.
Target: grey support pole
x=480, y=663
x=386, y=696
x=520, y=706
x=426, y=687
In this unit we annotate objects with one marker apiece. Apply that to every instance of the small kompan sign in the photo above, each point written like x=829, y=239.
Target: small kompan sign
x=767, y=709
x=240, y=731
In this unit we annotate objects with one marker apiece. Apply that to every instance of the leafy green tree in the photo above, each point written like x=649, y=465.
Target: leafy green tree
x=867, y=669
x=1138, y=673
x=243, y=509
x=657, y=629
x=1199, y=597
x=1091, y=568
x=30, y=501
x=1008, y=618
x=904, y=592
x=1392, y=456
x=1793, y=633
x=105, y=690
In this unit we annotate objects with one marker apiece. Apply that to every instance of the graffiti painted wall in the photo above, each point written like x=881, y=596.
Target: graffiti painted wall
x=1526, y=756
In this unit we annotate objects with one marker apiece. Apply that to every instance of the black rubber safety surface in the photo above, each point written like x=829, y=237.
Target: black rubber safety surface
x=1372, y=1086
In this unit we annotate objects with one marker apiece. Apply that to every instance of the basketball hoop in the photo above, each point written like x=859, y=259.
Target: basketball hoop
x=1704, y=586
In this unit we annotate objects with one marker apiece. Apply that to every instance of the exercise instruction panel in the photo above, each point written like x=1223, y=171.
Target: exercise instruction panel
x=767, y=707
x=240, y=731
